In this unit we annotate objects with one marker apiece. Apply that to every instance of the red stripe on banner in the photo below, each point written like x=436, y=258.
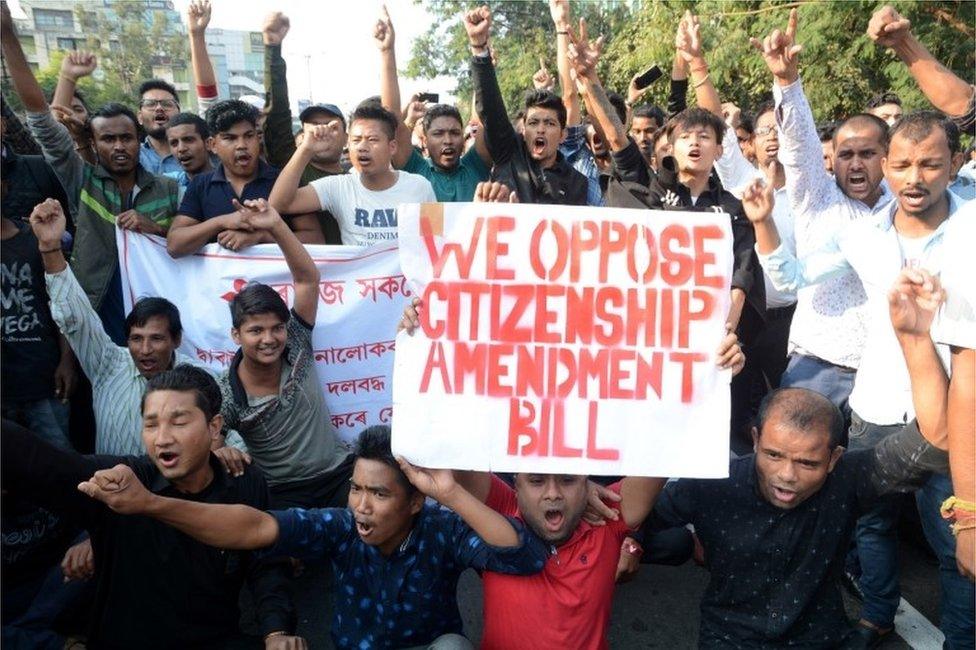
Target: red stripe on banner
x=256, y=258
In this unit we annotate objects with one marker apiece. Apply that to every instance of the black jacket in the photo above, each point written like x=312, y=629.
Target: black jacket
x=27, y=181
x=637, y=186
x=560, y=184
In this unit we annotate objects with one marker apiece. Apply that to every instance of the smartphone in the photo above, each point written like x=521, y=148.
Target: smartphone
x=434, y=98
x=648, y=77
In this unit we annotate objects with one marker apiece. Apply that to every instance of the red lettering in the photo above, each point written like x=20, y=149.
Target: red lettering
x=463, y=258
x=435, y=360
x=592, y=451
x=687, y=361
x=703, y=257
x=677, y=266
x=497, y=249
x=706, y=302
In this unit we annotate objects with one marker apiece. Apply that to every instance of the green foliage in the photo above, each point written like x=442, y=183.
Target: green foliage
x=841, y=67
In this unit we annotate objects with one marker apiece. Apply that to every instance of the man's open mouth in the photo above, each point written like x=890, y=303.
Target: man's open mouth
x=168, y=459
x=554, y=519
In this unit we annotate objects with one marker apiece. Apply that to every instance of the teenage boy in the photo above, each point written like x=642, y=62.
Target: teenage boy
x=529, y=162
x=396, y=560
x=208, y=211
x=364, y=202
x=189, y=139
x=453, y=172
x=155, y=587
x=272, y=395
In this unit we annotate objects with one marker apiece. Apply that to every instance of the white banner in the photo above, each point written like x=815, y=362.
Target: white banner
x=564, y=340
x=362, y=295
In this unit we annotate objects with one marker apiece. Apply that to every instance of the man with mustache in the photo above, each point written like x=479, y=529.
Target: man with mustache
x=909, y=231
x=117, y=191
x=828, y=330
x=208, y=212
x=453, y=172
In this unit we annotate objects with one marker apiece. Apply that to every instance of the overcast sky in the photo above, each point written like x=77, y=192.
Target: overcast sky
x=338, y=39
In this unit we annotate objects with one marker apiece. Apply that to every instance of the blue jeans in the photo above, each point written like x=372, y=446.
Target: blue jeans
x=877, y=537
x=958, y=594
x=832, y=381
x=47, y=418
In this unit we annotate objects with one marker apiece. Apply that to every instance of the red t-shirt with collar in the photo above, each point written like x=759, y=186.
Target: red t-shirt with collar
x=567, y=604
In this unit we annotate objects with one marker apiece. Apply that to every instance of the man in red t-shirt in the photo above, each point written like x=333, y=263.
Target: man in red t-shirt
x=567, y=605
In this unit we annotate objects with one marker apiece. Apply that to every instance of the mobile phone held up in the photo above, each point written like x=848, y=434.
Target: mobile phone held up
x=648, y=77
x=434, y=98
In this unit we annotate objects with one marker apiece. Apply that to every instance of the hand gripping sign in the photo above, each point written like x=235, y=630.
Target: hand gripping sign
x=561, y=339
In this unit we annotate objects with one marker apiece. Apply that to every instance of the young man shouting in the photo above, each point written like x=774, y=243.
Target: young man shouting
x=396, y=560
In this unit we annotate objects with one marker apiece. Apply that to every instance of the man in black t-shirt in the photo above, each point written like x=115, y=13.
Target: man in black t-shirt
x=38, y=368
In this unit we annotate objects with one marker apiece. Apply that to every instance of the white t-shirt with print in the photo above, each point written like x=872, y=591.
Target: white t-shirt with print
x=365, y=216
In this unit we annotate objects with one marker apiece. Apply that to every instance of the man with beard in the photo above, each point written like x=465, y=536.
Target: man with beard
x=117, y=191
x=529, y=163
x=453, y=172
x=158, y=104
x=908, y=232
x=189, y=140
x=828, y=330
x=156, y=588
x=279, y=141
x=210, y=210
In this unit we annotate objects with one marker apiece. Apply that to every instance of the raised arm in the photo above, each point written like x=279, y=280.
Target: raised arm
x=279, y=142
x=19, y=70
x=197, y=18
x=286, y=195
x=678, y=92
x=808, y=184
x=687, y=43
x=232, y=527
x=439, y=484
x=583, y=55
x=912, y=304
x=637, y=496
x=261, y=216
x=385, y=39
x=944, y=89
x=560, y=13
x=74, y=66
x=499, y=134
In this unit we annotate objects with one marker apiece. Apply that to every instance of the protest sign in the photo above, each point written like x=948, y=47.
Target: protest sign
x=361, y=291
x=564, y=340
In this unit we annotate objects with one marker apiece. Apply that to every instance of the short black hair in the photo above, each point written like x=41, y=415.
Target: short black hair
x=548, y=100
x=765, y=107
x=865, y=119
x=650, y=112
x=223, y=115
x=374, y=444
x=918, y=125
x=158, y=84
x=182, y=119
x=115, y=109
x=695, y=116
x=151, y=307
x=185, y=378
x=802, y=409
x=441, y=110
x=827, y=130
x=619, y=105
x=367, y=110
x=256, y=299
x=747, y=123
x=884, y=98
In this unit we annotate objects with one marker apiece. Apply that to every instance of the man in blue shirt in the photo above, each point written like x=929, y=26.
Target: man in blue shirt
x=158, y=104
x=208, y=212
x=396, y=560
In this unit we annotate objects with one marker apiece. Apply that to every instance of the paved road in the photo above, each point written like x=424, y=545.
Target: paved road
x=659, y=609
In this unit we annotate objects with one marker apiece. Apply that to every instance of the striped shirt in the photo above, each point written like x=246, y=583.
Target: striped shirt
x=117, y=385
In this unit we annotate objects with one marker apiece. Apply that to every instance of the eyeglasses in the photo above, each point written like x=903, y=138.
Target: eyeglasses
x=763, y=131
x=164, y=103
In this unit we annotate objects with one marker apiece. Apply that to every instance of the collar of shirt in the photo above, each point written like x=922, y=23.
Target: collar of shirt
x=234, y=377
x=160, y=483
x=151, y=151
x=667, y=176
x=884, y=217
x=144, y=178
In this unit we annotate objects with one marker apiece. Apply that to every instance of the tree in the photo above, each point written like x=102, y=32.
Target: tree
x=841, y=67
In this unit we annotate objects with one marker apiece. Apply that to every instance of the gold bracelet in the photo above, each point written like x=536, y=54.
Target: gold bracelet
x=960, y=526
x=274, y=634
x=702, y=81
x=953, y=503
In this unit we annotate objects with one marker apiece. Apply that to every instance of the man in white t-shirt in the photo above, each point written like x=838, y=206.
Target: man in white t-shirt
x=365, y=201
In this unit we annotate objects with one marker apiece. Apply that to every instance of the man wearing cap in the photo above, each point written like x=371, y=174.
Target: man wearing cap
x=279, y=143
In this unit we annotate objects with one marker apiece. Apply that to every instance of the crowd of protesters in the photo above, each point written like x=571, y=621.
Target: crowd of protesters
x=851, y=337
